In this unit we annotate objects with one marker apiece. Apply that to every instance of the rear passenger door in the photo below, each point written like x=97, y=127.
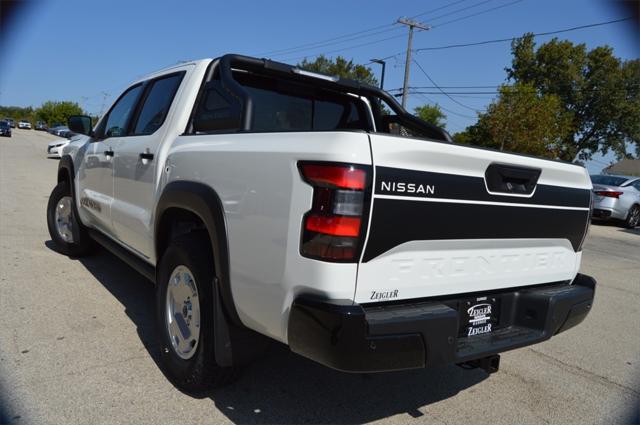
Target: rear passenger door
x=135, y=165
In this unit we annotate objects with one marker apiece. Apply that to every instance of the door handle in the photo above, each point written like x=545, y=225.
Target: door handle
x=108, y=152
x=146, y=155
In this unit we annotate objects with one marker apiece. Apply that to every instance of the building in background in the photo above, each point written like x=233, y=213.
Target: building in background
x=625, y=167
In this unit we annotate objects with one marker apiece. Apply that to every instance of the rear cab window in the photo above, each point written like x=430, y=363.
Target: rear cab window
x=280, y=105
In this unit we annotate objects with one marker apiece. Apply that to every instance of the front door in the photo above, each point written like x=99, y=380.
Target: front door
x=95, y=185
x=95, y=173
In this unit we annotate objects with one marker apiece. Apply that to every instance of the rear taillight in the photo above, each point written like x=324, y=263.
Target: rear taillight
x=334, y=227
x=609, y=193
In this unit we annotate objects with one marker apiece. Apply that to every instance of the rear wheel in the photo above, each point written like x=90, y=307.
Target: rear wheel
x=69, y=235
x=184, y=305
x=633, y=217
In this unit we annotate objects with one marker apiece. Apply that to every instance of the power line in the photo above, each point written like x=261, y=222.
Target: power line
x=532, y=90
x=352, y=36
x=497, y=86
x=438, y=8
x=467, y=96
x=502, y=40
x=509, y=39
x=386, y=38
x=449, y=93
x=443, y=108
x=302, y=49
x=344, y=48
x=313, y=44
x=478, y=13
x=369, y=33
x=364, y=34
x=453, y=12
x=449, y=87
x=442, y=91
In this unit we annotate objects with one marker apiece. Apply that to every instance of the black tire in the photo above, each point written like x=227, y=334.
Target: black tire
x=200, y=373
x=82, y=243
x=633, y=217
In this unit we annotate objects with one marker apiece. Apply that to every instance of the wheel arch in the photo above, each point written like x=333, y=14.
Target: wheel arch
x=65, y=170
x=196, y=199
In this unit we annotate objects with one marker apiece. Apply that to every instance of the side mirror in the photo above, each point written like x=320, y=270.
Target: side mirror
x=80, y=124
x=218, y=110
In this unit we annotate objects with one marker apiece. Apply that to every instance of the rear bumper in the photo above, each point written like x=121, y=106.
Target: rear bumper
x=601, y=214
x=355, y=338
x=608, y=208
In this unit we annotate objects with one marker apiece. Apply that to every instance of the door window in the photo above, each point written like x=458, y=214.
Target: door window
x=121, y=112
x=157, y=103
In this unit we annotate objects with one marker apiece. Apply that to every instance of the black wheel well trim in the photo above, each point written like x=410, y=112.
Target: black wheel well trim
x=204, y=202
x=65, y=167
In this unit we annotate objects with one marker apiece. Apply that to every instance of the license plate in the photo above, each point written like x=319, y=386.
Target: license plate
x=479, y=315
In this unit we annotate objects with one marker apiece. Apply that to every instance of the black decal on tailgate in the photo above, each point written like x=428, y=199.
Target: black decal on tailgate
x=396, y=221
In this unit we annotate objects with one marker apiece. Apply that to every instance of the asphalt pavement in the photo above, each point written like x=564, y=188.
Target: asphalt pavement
x=77, y=344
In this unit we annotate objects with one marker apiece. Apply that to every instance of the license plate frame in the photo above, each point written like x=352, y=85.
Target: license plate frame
x=478, y=316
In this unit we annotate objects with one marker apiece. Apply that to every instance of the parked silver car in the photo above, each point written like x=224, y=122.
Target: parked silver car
x=616, y=197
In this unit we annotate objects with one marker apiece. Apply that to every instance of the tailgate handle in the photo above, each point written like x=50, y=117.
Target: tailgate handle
x=510, y=179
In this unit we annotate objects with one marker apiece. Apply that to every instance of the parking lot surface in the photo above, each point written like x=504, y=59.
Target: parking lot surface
x=77, y=344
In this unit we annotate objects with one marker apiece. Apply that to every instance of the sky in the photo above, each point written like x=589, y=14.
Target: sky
x=88, y=51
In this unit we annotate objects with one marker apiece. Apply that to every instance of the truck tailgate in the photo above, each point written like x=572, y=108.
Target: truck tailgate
x=451, y=219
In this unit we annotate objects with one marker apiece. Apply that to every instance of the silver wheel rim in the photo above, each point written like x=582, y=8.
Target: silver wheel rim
x=635, y=217
x=183, y=312
x=64, y=219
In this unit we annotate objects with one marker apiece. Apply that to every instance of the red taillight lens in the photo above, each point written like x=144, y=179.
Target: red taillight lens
x=609, y=193
x=332, y=230
x=333, y=225
x=336, y=176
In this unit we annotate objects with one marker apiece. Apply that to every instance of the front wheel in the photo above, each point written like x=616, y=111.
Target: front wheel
x=67, y=232
x=185, y=315
x=633, y=217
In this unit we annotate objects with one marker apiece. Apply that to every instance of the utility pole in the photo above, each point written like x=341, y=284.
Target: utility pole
x=411, y=24
x=105, y=95
x=384, y=64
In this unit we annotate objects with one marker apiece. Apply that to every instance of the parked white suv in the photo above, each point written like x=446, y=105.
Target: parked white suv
x=24, y=124
x=266, y=200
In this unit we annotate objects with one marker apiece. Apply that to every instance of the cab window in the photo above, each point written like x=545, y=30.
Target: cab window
x=157, y=103
x=118, y=119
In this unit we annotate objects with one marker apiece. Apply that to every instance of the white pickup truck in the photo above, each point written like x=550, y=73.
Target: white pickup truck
x=266, y=200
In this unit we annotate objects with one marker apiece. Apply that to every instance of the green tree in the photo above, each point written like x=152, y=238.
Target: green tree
x=431, y=114
x=16, y=113
x=521, y=120
x=599, y=92
x=57, y=112
x=341, y=67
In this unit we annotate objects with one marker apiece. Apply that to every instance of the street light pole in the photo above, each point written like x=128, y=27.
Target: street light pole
x=384, y=64
x=411, y=24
